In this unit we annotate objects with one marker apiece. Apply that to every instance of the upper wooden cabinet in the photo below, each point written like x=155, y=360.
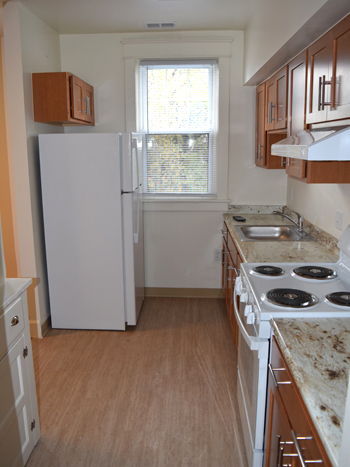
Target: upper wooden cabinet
x=328, y=91
x=297, y=72
x=260, y=133
x=276, y=100
x=62, y=99
x=263, y=157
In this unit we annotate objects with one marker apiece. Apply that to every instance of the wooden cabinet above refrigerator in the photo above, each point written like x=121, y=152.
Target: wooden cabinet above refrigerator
x=62, y=99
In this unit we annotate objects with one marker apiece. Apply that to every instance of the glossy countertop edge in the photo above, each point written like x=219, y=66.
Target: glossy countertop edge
x=317, y=352
x=323, y=250
x=11, y=289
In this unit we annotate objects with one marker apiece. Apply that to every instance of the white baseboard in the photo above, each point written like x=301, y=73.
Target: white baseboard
x=35, y=329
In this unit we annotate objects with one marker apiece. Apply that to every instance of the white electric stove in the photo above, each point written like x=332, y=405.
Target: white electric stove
x=280, y=290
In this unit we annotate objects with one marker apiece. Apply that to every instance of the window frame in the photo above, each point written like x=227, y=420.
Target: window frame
x=212, y=65
x=219, y=45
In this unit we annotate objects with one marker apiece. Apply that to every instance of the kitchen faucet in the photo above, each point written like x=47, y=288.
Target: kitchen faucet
x=299, y=223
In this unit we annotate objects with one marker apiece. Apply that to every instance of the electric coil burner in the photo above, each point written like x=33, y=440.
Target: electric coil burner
x=293, y=298
x=315, y=272
x=339, y=298
x=268, y=270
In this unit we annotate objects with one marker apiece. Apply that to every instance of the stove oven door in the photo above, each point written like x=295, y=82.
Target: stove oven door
x=252, y=381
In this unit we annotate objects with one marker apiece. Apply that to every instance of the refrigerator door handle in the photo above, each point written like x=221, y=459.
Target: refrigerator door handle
x=136, y=235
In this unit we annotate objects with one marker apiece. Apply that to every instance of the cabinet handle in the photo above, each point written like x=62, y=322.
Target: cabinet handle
x=297, y=447
x=224, y=232
x=259, y=151
x=87, y=100
x=275, y=382
x=300, y=455
x=270, y=119
x=14, y=321
x=322, y=83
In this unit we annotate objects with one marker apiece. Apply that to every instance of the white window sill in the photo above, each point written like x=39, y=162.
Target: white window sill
x=185, y=204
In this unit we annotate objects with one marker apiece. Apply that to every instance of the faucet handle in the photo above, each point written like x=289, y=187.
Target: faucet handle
x=299, y=215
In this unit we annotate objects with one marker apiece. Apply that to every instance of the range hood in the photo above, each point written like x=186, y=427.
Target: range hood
x=321, y=144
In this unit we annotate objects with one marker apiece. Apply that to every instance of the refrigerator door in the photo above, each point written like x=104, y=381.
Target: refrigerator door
x=131, y=149
x=80, y=175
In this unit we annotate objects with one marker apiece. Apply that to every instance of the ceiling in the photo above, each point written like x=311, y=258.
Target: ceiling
x=111, y=16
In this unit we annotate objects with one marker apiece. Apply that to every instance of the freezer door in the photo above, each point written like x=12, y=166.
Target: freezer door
x=81, y=190
x=131, y=148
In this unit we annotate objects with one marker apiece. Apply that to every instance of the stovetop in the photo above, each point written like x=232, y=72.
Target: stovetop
x=287, y=294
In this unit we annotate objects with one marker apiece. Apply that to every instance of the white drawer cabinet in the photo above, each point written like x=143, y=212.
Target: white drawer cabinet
x=19, y=421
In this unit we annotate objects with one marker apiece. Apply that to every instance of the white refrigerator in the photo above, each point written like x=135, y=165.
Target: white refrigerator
x=93, y=224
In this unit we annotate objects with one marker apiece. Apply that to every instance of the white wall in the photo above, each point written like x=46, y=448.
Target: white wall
x=279, y=30
x=179, y=238
x=273, y=23
x=29, y=46
x=319, y=203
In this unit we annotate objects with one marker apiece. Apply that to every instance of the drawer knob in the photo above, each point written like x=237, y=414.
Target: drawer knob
x=14, y=321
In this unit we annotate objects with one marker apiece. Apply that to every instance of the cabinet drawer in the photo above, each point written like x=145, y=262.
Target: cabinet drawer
x=300, y=422
x=11, y=325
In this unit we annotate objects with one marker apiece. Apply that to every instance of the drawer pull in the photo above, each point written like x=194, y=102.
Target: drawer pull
x=224, y=232
x=300, y=455
x=276, y=383
x=14, y=321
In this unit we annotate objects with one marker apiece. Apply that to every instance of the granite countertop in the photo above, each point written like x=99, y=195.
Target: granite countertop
x=318, y=355
x=323, y=250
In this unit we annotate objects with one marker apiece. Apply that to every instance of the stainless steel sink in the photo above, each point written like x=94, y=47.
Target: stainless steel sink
x=271, y=233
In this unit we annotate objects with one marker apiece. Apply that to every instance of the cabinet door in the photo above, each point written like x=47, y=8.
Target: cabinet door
x=340, y=98
x=16, y=436
x=281, y=89
x=88, y=103
x=77, y=97
x=270, y=104
x=319, y=71
x=297, y=108
x=224, y=266
x=279, y=444
x=260, y=149
x=229, y=281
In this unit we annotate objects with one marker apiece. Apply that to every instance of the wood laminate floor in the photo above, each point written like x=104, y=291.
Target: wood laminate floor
x=161, y=394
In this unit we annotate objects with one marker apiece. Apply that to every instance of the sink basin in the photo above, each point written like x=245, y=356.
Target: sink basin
x=271, y=233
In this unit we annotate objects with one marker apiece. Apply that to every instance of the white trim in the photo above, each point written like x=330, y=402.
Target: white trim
x=217, y=205
x=188, y=48
x=35, y=328
x=177, y=48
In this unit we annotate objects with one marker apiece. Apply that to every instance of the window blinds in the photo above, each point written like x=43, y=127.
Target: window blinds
x=178, y=117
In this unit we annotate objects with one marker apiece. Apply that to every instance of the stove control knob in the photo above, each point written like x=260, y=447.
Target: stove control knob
x=250, y=318
x=238, y=285
x=248, y=309
x=244, y=297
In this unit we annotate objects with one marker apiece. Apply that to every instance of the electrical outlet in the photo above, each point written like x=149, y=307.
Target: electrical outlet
x=217, y=255
x=339, y=220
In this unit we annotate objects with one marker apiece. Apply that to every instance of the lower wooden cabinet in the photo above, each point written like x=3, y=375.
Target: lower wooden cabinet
x=291, y=437
x=231, y=261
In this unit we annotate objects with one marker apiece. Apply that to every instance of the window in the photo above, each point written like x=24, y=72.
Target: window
x=178, y=118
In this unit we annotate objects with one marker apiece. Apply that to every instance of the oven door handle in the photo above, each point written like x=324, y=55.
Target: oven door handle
x=252, y=341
